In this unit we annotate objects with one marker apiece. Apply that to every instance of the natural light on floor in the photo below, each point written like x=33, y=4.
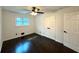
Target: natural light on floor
x=23, y=47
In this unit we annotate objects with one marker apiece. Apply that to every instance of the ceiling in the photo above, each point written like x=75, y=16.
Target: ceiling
x=21, y=9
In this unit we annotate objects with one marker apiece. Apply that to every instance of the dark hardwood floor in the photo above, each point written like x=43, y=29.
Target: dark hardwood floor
x=34, y=44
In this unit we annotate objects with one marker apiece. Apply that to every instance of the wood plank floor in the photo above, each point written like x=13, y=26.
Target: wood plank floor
x=34, y=44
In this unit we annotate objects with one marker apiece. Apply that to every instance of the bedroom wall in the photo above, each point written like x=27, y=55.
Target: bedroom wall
x=9, y=25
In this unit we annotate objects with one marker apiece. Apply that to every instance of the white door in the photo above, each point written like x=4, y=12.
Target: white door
x=45, y=25
x=50, y=24
x=71, y=30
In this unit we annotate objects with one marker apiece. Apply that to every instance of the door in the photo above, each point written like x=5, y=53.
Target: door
x=71, y=30
x=49, y=25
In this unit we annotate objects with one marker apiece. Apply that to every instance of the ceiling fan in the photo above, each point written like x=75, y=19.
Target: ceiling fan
x=34, y=11
x=37, y=10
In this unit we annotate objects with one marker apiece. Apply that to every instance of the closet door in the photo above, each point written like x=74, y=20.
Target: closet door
x=71, y=30
x=49, y=23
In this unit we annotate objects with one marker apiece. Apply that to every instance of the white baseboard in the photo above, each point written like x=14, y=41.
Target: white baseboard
x=16, y=36
x=0, y=47
x=71, y=46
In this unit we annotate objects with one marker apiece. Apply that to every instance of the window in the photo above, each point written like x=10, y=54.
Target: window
x=22, y=21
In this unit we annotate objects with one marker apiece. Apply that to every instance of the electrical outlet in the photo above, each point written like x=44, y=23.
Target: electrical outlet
x=16, y=33
x=22, y=33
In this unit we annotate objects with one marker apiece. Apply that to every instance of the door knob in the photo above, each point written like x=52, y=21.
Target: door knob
x=65, y=31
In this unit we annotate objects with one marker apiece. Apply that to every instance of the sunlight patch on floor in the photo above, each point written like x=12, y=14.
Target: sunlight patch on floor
x=23, y=47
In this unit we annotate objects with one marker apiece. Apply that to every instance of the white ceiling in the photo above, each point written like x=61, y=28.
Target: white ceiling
x=24, y=8
x=51, y=8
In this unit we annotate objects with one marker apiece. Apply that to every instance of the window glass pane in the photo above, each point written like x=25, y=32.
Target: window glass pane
x=25, y=21
x=18, y=21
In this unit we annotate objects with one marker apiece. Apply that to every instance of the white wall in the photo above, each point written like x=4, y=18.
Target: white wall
x=9, y=25
x=0, y=28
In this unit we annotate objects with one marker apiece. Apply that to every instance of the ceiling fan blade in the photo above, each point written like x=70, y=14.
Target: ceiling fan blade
x=24, y=11
x=40, y=12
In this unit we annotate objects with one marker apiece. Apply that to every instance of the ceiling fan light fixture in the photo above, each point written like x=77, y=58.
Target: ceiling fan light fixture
x=34, y=13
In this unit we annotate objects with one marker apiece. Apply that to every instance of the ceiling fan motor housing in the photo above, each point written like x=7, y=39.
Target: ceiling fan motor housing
x=35, y=9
